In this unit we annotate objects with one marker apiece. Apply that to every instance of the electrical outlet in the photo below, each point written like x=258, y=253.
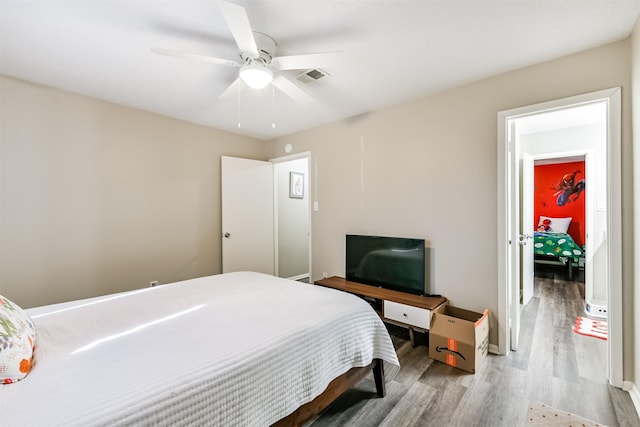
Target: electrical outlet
x=153, y=283
x=325, y=275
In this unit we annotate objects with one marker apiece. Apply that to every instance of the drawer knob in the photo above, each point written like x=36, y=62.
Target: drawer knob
x=404, y=314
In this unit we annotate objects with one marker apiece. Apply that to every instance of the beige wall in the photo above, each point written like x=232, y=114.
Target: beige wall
x=98, y=198
x=635, y=338
x=428, y=169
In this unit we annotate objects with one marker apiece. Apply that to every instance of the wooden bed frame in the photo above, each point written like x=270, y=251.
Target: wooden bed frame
x=335, y=388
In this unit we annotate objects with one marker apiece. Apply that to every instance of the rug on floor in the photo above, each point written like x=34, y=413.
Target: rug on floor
x=591, y=327
x=540, y=414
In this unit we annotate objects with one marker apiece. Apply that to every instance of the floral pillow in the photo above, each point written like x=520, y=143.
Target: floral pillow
x=17, y=340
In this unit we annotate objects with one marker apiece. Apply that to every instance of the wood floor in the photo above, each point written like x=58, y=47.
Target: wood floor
x=553, y=365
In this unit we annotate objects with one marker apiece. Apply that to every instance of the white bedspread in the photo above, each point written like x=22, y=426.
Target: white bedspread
x=233, y=349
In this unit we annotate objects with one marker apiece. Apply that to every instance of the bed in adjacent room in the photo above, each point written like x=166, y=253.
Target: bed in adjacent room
x=231, y=349
x=554, y=245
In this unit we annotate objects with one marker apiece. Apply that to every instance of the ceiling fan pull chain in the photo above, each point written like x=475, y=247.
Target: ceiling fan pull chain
x=239, y=106
x=273, y=106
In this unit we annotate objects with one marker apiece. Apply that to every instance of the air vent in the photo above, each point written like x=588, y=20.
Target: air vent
x=311, y=76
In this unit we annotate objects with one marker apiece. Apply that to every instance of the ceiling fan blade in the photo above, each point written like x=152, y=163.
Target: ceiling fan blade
x=311, y=60
x=202, y=58
x=232, y=90
x=238, y=22
x=292, y=90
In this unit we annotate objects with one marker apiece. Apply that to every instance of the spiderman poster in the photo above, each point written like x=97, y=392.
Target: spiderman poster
x=568, y=188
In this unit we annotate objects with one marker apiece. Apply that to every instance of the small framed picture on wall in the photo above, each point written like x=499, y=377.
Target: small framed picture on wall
x=296, y=185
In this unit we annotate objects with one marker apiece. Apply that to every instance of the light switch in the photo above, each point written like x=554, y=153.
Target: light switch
x=316, y=206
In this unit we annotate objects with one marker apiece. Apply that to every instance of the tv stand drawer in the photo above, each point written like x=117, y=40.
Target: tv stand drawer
x=414, y=316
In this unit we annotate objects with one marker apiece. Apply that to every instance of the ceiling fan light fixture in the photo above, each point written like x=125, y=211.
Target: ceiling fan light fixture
x=256, y=76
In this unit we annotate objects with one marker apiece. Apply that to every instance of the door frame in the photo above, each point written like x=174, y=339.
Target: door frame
x=612, y=97
x=296, y=156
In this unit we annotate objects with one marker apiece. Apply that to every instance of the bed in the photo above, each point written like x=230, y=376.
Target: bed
x=232, y=349
x=556, y=249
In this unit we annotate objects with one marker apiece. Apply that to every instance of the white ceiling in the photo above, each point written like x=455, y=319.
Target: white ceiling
x=394, y=50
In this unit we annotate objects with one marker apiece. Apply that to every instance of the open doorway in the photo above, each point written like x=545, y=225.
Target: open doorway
x=560, y=196
x=292, y=213
x=514, y=234
x=266, y=216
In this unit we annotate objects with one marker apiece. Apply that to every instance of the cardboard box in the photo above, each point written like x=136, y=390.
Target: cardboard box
x=459, y=337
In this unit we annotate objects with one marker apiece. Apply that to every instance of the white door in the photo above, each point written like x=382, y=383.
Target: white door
x=513, y=226
x=527, y=228
x=247, y=215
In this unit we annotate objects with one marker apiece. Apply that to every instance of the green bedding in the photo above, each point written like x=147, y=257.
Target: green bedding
x=559, y=245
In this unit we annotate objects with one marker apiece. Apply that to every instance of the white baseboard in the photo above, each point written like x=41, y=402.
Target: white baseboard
x=494, y=349
x=633, y=393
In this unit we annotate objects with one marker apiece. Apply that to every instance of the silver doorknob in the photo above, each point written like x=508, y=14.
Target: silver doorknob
x=523, y=238
x=226, y=235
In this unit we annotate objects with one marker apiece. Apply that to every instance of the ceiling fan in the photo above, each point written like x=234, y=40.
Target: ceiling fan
x=257, y=57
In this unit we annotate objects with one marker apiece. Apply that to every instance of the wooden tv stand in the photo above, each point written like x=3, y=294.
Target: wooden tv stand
x=399, y=308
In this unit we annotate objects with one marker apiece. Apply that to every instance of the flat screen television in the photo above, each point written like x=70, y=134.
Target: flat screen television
x=396, y=263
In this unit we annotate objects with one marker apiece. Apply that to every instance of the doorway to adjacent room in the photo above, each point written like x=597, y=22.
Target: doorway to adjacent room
x=516, y=222
x=266, y=216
